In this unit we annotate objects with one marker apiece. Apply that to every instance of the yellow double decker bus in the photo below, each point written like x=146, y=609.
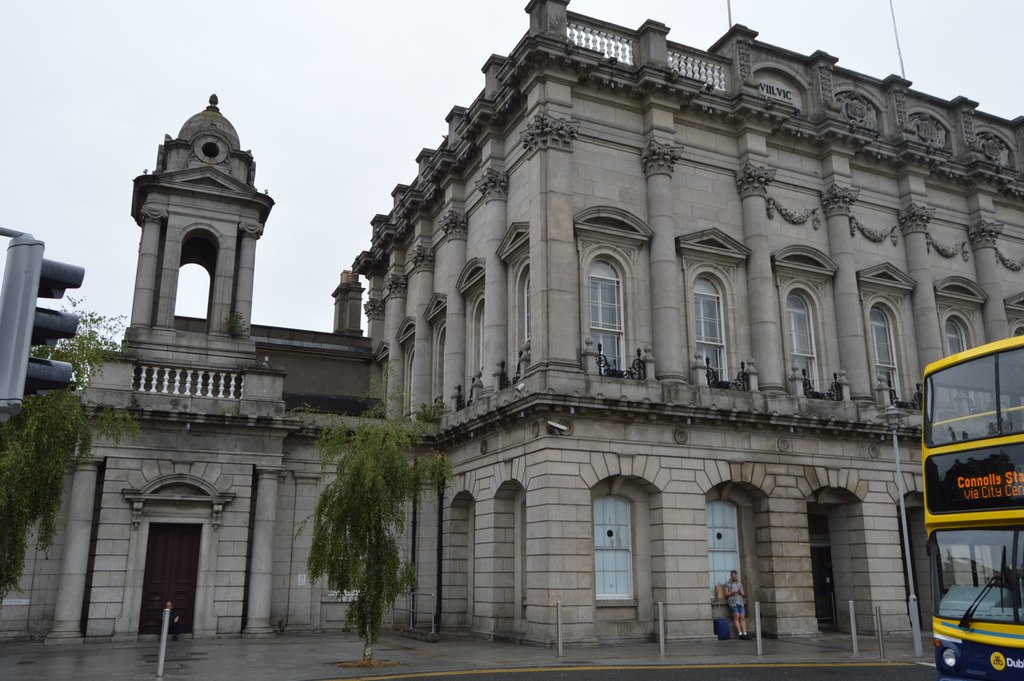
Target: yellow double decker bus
x=973, y=458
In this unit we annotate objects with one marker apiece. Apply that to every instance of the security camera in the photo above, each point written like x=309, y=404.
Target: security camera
x=556, y=428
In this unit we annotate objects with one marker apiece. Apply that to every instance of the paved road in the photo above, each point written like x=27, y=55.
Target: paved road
x=898, y=671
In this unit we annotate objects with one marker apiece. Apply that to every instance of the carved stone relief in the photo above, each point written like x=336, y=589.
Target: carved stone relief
x=929, y=130
x=858, y=110
x=993, y=148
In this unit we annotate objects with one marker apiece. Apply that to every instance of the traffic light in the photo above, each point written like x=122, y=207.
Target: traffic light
x=28, y=276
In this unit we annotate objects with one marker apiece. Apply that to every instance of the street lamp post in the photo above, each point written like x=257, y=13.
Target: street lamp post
x=892, y=416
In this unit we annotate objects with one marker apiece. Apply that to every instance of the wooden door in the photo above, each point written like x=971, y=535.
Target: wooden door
x=172, y=562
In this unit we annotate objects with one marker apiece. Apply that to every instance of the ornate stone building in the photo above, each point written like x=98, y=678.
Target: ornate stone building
x=203, y=505
x=664, y=296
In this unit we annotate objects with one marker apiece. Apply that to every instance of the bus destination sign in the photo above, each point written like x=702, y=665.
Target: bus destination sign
x=984, y=479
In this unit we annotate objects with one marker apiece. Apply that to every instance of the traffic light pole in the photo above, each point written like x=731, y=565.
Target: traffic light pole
x=28, y=276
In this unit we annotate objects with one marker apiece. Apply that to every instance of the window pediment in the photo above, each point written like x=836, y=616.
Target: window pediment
x=437, y=307
x=382, y=352
x=885, y=277
x=959, y=289
x=713, y=244
x=180, y=489
x=1015, y=302
x=806, y=261
x=472, y=276
x=607, y=224
x=516, y=240
x=406, y=330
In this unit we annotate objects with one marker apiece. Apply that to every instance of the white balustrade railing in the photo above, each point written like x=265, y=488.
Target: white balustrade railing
x=612, y=46
x=188, y=381
x=699, y=69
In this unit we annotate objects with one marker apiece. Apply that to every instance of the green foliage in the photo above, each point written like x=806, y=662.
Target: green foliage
x=235, y=325
x=36, y=445
x=360, y=516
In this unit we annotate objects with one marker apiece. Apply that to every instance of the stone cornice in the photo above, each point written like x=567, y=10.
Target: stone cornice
x=660, y=159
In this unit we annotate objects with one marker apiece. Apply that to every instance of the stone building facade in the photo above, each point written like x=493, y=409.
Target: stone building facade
x=665, y=296
x=204, y=504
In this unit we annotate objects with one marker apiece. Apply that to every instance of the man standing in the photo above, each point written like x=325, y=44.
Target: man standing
x=174, y=620
x=735, y=593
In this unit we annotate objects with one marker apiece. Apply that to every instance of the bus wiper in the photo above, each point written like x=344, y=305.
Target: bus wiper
x=995, y=580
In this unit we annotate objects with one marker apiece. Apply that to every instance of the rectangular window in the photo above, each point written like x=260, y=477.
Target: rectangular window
x=723, y=541
x=612, y=548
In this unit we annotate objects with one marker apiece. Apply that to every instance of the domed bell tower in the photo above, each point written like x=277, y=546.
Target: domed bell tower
x=199, y=206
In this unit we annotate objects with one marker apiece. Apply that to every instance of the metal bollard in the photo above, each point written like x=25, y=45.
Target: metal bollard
x=878, y=628
x=853, y=628
x=558, y=608
x=757, y=627
x=661, y=628
x=163, y=642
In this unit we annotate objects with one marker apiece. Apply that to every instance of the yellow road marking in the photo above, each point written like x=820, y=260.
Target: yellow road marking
x=590, y=668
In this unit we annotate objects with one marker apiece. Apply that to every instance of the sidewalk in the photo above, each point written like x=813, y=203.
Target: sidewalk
x=306, y=657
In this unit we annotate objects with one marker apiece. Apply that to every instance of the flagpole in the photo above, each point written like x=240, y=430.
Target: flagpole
x=899, y=52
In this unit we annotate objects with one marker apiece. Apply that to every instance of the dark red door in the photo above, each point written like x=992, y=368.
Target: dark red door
x=172, y=561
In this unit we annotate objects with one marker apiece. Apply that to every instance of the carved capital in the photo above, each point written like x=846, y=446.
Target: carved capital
x=915, y=218
x=493, y=185
x=545, y=132
x=374, y=309
x=423, y=259
x=984, y=234
x=454, y=224
x=253, y=229
x=395, y=286
x=753, y=180
x=152, y=212
x=837, y=200
x=659, y=158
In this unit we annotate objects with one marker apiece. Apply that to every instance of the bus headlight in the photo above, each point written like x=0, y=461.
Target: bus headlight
x=949, y=657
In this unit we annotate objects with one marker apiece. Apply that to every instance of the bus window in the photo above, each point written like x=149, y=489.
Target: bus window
x=1011, y=397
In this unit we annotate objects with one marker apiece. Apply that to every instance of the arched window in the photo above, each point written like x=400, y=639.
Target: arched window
x=884, y=348
x=956, y=339
x=606, y=311
x=475, y=356
x=801, y=335
x=723, y=541
x=612, y=548
x=710, y=331
x=410, y=383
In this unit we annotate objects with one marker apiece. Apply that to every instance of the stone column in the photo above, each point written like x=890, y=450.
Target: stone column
x=983, y=236
x=250, y=233
x=554, y=267
x=853, y=349
x=454, y=224
x=262, y=566
x=913, y=221
x=421, y=282
x=67, y=616
x=347, y=296
x=374, y=309
x=784, y=565
x=395, y=287
x=666, y=275
x=148, y=266
x=493, y=185
x=765, y=326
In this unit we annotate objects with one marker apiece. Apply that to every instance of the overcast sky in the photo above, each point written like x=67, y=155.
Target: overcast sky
x=336, y=99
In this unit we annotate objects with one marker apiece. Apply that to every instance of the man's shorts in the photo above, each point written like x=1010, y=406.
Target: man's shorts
x=738, y=609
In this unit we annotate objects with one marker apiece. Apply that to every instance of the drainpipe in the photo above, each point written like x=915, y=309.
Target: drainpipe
x=440, y=555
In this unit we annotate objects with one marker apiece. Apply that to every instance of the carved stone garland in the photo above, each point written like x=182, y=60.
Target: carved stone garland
x=771, y=205
x=875, y=235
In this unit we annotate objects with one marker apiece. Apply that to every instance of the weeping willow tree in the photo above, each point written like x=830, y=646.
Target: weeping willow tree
x=360, y=515
x=51, y=431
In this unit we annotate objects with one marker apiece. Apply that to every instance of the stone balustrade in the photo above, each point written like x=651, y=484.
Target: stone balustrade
x=698, y=68
x=188, y=381
x=611, y=45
